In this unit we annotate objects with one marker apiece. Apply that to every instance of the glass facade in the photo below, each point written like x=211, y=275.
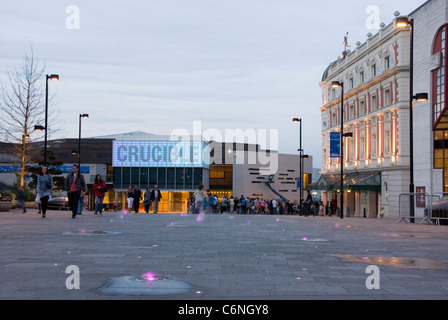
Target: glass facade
x=165, y=178
x=171, y=165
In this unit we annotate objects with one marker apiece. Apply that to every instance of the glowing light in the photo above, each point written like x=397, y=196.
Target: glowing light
x=201, y=216
x=304, y=238
x=149, y=276
x=278, y=219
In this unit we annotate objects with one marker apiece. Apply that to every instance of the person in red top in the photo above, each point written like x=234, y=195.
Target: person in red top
x=99, y=187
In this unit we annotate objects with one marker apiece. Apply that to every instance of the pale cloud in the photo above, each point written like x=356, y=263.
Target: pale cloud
x=160, y=65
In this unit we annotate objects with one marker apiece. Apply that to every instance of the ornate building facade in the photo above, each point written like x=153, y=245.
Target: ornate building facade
x=375, y=77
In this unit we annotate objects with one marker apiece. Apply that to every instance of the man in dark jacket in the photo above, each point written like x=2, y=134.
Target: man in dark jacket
x=137, y=197
x=155, y=197
x=74, y=184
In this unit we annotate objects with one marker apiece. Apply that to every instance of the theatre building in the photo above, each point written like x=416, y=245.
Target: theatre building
x=375, y=76
x=377, y=157
x=176, y=167
x=145, y=160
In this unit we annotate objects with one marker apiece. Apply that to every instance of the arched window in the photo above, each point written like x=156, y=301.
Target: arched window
x=440, y=103
x=439, y=77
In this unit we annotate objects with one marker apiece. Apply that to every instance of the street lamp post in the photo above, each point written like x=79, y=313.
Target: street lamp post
x=85, y=116
x=403, y=22
x=337, y=84
x=299, y=120
x=53, y=77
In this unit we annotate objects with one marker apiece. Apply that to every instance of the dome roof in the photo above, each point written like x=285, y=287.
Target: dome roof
x=327, y=71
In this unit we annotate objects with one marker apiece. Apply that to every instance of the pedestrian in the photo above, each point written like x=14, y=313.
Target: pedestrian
x=147, y=199
x=21, y=198
x=44, y=188
x=321, y=209
x=223, y=204
x=137, y=198
x=155, y=198
x=243, y=202
x=382, y=212
x=274, y=206
x=130, y=196
x=74, y=184
x=99, y=189
x=82, y=196
x=199, y=196
x=232, y=204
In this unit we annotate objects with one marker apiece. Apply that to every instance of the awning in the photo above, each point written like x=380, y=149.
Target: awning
x=356, y=181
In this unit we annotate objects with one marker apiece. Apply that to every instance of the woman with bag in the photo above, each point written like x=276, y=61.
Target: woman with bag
x=44, y=189
x=99, y=188
x=130, y=195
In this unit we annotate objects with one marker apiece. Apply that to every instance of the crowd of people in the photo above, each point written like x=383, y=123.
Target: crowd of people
x=211, y=204
x=200, y=201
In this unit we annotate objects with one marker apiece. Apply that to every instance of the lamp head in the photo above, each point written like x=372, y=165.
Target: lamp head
x=85, y=115
x=296, y=120
x=402, y=22
x=39, y=128
x=53, y=77
x=336, y=84
x=421, y=97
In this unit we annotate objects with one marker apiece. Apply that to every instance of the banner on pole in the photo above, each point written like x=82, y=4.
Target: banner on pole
x=335, y=144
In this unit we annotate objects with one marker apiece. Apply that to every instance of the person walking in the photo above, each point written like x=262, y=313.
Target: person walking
x=223, y=204
x=232, y=204
x=146, y=199
x=74, y=184
x=21, y=198
x=44, y=189
x=137, y=198
x=99, y=188
x=155, y=198
x=130, y=196
x=199, y=196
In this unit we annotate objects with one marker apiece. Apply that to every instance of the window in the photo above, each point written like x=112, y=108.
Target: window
x=439, y=104
x=387, y=97
x=361, y=77
x=363, y=148
x=373, y=70
x=333, y=119
x=374, y=145
x=387, y=63
x=351, y=111
x=362, y=108
x=387, y=142
x=439, y=75
x=352, y=83
x=374, y=103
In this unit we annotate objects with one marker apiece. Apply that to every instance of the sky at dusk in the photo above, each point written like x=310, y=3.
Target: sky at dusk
x=161, y=65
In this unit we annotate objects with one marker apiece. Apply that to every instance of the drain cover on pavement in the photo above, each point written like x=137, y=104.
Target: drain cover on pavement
x=84, y=232
x=147, y=284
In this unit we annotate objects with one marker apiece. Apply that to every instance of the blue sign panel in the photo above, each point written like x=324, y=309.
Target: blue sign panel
x=335, y=145
x=159, y=154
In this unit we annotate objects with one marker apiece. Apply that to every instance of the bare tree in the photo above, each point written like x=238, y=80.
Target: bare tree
x=22, y=106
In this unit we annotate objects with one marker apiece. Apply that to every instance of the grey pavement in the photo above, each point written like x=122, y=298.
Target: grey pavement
x=223, y=257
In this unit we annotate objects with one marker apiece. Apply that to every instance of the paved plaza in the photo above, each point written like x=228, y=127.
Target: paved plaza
x=222, y=257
